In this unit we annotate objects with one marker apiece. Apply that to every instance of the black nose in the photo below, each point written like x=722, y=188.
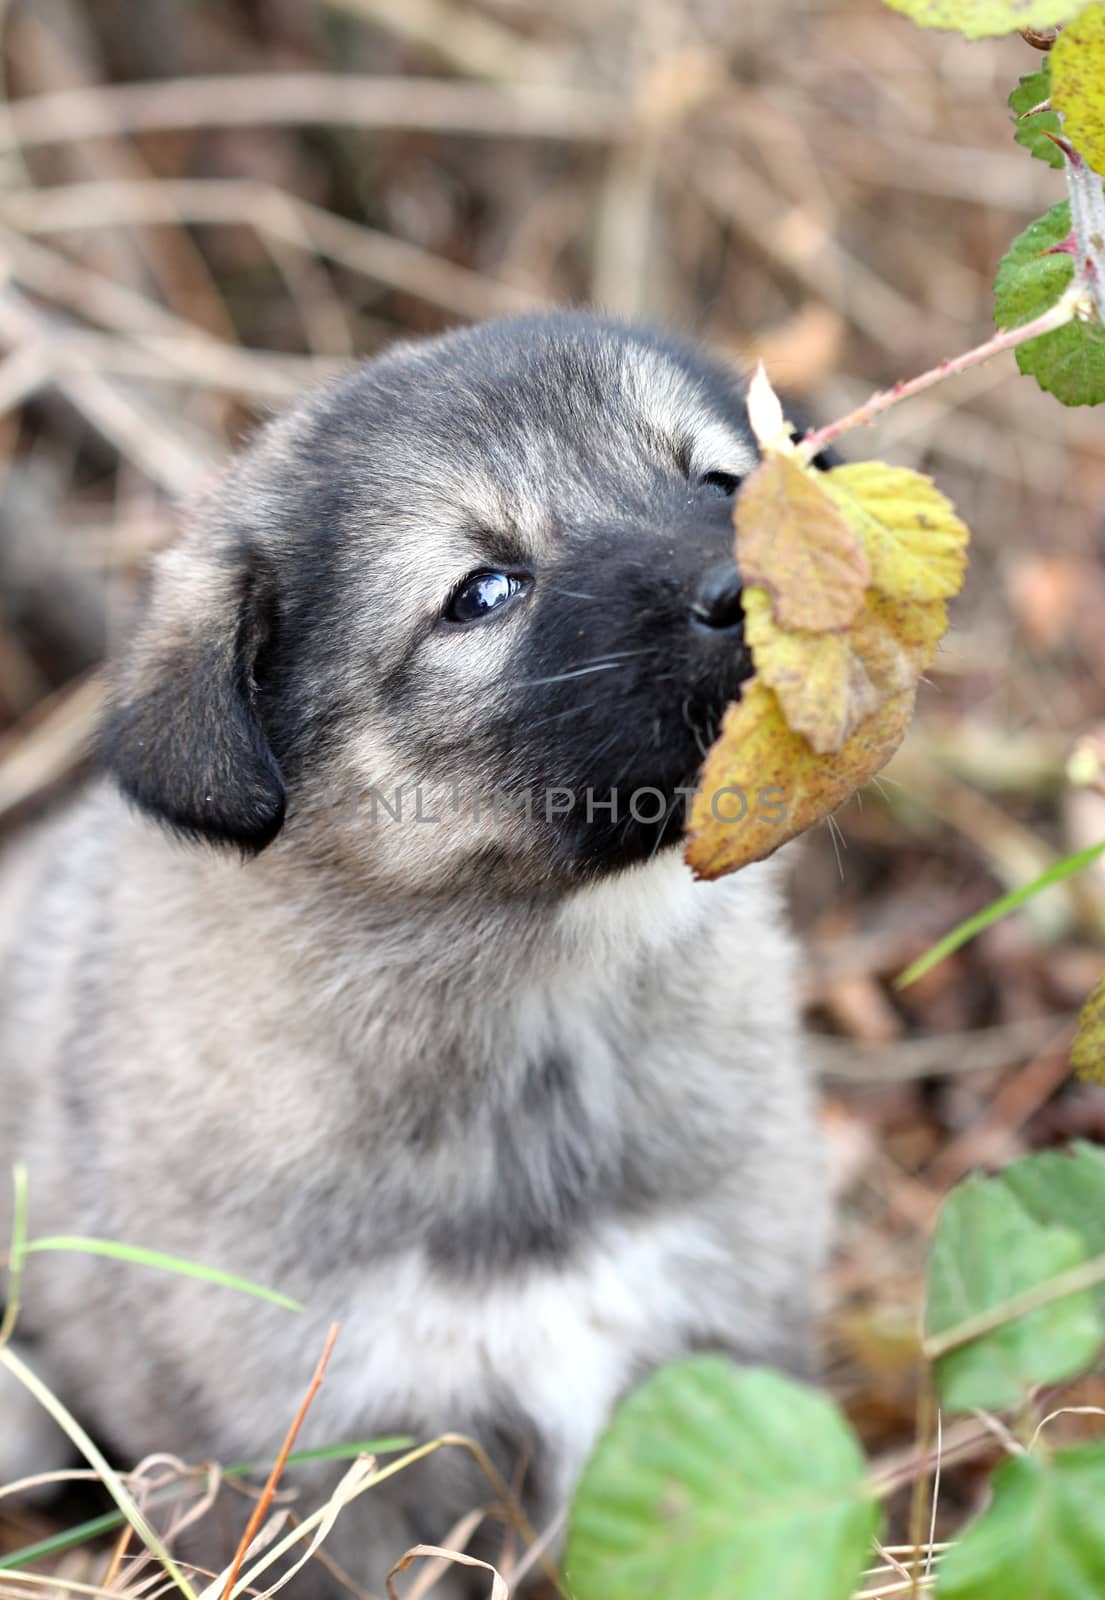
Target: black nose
x=717, y=604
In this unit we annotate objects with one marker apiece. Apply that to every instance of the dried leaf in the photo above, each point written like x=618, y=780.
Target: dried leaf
x=829, y=683
x=793, y=539
x=915, y=543
x=762, y=783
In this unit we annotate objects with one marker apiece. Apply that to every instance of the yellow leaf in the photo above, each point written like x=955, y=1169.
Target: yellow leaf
x=828, y=683
x=1078, y=84
x=1088, y=1053
x=762, y=783
x=792, y=538
x=915, y=543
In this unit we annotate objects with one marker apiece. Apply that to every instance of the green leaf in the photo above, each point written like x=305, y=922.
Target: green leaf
x=1070, y=362
x=1042, y=1537
x=997, y=909
x=1078, y=70
x=1032, y=132
x=721, y=1483
x=155, y=1258
x=978, y=18
x=1067, y=1189
x=1088, y=1054
x=988, y=1250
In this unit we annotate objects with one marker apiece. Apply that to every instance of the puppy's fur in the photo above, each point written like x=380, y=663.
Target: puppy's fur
x=505, y=1091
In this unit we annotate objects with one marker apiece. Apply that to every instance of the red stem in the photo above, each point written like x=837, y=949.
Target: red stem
x=1055, y=316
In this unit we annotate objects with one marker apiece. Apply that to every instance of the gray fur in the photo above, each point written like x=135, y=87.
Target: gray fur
x=522, y=1105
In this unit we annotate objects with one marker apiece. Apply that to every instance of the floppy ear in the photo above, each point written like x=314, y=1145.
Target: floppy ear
x=182, y=736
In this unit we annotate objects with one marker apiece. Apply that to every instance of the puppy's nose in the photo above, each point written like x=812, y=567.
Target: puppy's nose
x=717, y=604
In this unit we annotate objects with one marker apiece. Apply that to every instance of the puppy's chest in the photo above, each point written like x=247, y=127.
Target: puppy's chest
x=545, y=1149
x=543, y=1353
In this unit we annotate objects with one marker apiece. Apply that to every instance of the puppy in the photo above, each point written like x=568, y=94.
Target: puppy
x=372, y=970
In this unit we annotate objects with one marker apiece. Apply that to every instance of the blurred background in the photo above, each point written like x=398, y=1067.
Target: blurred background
x=206, y=204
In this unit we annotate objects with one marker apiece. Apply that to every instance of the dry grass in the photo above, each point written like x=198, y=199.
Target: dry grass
x=809, y=180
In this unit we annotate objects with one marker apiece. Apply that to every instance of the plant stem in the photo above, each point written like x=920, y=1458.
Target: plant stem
x=95, y=1458
x=1088, y=1275
x=18, y=1252
x=1063, y=311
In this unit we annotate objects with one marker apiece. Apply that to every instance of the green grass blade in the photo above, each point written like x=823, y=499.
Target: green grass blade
x=164, y=1263
x=91, y=1453
x=996, y=910
x=332, y=1452
x=17, y=1251
x=70, y=1537
x=58, y=1542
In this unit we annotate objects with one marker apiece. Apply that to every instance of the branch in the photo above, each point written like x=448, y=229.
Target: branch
x=1066, y=309
x=515, y=110
x=274, y=214
x=278, y=1466
x=1087, y=224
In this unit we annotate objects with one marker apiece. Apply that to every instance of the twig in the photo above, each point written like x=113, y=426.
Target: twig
x=82, y=289
x=802, y=247
x=518, y=110
x=470, y=43
x=939, y=1054
x=22, y=373
x=927, y=1413
x=1065, y=310
x=962, y=1441
x=276, y=214
x=156, y=358
x=57, y=47
x=262, y=1506
x=326, y=322
x=162, y=452
x=62, y=730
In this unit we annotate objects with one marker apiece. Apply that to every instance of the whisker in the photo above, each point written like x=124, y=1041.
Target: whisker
x=589, y=664
x=620, y=655
x=572, y=711
x=562, y=677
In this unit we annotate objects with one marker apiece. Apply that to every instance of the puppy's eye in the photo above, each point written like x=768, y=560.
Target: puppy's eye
x=721, y=483
x=483, y=592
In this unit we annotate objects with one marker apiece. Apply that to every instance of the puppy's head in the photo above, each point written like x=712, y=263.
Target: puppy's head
x=485, y=583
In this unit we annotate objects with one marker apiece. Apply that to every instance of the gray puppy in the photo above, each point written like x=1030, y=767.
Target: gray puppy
x=391, y=989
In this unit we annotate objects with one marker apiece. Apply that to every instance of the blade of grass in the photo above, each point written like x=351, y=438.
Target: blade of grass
x=164, y=1263
x=446, y=1440
x=258, y=1514
x=18, y=1251
x=110, y=1520
x=111, y=1479
x=997, y=909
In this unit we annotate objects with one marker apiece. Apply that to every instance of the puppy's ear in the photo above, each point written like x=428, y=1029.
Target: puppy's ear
x=183, y=737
